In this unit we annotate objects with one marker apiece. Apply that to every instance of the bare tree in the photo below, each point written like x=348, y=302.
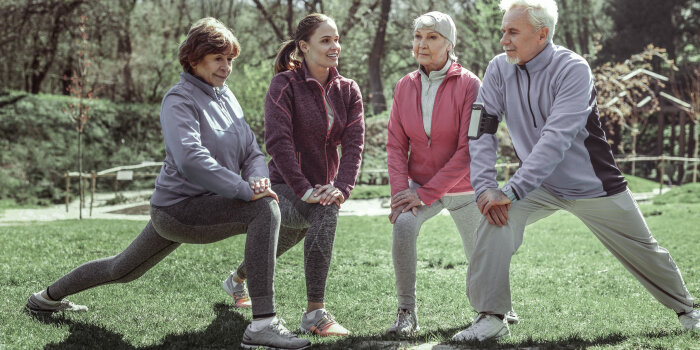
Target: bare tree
x=376, y=95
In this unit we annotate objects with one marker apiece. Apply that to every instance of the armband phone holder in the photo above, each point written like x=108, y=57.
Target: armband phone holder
x=481, y=122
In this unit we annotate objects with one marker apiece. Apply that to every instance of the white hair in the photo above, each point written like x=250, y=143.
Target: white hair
x=542, y=13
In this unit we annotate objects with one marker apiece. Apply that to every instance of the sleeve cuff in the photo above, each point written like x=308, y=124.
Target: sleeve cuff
x=307, y=194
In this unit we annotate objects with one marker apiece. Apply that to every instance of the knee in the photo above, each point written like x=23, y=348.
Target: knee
x=121, y=271
x=406, y=225
x=267, y=206
x=325, y=213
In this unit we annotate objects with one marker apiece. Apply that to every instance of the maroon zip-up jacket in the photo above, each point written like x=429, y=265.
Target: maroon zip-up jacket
x=304, y=151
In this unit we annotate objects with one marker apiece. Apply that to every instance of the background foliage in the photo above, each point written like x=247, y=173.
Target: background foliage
x=133, y=47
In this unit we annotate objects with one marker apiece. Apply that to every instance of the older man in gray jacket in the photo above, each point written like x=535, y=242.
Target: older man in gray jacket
x=547, y=95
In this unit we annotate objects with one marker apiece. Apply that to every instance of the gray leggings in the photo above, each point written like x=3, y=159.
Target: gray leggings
x=197, y=220
x=316, y=223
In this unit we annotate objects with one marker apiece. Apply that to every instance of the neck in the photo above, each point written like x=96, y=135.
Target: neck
x=319, y=73
x=434, y=67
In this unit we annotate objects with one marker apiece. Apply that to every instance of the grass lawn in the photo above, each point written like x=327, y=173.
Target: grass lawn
x=569, y=291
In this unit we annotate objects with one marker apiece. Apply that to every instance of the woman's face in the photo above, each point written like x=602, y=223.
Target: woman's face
x=430, y=49
x=323, y=48
x=214, y=68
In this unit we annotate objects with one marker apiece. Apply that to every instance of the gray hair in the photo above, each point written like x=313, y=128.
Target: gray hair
x=542, y=13
x=442, y=24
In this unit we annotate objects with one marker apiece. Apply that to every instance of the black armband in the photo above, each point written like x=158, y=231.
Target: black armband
x=481, y=122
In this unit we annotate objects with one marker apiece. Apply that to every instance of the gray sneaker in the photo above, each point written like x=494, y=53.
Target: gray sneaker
x=406, y=324
x=275, y=337
x=39, y=305
x=323, y=324
x=238, y=292
x=690, y=320
x=511, y=317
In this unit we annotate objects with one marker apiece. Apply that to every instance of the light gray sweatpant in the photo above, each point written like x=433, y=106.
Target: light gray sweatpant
x=196, y=220
x=466, y=216
x=313, y=223
x=615, y=220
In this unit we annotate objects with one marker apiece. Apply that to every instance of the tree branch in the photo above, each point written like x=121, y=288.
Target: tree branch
x=269, y=19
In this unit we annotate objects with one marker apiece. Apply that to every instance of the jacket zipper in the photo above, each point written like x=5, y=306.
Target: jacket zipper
x=328, y=130
x=523, y=67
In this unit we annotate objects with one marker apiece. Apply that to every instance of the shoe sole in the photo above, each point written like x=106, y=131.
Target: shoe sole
x=307, y=332
x=256, y=346
x=512, y=320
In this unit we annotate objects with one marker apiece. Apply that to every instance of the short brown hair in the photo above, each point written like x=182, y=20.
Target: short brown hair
x=207, y=36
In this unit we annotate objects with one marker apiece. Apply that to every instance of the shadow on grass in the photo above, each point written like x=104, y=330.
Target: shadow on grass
x=226, y=332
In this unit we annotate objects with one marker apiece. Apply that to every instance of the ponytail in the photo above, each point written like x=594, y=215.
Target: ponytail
x=287, y=57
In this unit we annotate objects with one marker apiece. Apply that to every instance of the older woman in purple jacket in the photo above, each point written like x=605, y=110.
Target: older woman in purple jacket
x=213, y=185
x=310, y=110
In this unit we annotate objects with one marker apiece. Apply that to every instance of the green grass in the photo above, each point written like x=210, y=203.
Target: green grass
x=371, y=191
x=569, y=291
x=639, y=185
x=688, y=193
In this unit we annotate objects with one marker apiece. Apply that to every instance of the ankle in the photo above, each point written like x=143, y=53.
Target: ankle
x=237, y=279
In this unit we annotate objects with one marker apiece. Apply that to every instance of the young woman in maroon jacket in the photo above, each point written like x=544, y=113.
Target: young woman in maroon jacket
x=310, y=110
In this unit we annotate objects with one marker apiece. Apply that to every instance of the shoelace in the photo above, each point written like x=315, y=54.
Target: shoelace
x=325, y=321
x=241, y=293
x=402, y=319
x=279, y=326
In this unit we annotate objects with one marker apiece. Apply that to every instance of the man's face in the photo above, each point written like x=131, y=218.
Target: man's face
x=520, y=41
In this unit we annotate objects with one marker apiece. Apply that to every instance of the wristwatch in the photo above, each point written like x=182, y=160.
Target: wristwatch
x=508, y=191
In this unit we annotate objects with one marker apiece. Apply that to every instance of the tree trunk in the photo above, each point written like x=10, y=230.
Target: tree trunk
x=659, y=140
x=376, y=95
x=681, y=147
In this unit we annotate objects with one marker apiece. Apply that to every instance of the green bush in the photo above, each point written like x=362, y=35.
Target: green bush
x=38, y=143
x=686, y=194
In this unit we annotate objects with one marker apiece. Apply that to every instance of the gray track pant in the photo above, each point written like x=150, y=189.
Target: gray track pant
x=616, y=221
x=466, y=216
x=316, y=225
x=197, y=220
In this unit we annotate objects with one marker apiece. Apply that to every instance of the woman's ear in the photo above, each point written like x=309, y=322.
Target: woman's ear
x=303, y=46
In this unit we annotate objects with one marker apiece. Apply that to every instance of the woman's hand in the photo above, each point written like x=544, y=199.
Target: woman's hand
x=268, y=192
x=408, y=200
x=259, y=184
x=326, y=195
x=395, y=212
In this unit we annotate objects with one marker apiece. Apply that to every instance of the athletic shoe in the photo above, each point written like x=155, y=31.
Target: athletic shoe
x=322, y=324
x=511, y=317
x=275, y=336
x=690, y=320
x=485, y=326
x=405, y=325
x=37, y=304
x=238, y=292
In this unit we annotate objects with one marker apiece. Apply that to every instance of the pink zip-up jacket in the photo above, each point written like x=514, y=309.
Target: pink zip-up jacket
x=304, y=151
x=439, y=164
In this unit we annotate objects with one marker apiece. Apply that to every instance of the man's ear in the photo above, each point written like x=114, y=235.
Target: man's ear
x=543, y=33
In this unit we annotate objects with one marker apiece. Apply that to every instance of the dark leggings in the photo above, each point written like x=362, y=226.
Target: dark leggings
x=314, y=222
x=197, y=220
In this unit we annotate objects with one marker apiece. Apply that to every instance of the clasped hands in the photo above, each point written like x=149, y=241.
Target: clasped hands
x=261, y=188
x=404, y=201
x=494, y=205
x=326, y=195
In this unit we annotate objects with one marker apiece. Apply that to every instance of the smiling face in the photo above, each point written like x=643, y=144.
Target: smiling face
x=214, y=68
x=430, y=49
x=322, y=50
x=520, y=40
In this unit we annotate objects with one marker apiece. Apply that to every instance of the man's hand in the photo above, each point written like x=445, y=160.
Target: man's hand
x=494, y=205
x=259, y=184
x=407, y=199
x=268, y=192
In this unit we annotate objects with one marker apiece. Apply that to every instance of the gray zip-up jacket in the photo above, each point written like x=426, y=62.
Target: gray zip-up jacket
x=209, y=148
x=550, y=108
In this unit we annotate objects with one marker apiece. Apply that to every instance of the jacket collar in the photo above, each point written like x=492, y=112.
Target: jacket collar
x=213, y=92
x=435, y=75
x=306, y=74
x=455, y=70
x=541, y=61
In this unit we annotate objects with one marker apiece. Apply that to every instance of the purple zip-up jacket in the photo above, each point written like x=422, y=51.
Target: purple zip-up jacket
x=209, y=148
x=304, y=151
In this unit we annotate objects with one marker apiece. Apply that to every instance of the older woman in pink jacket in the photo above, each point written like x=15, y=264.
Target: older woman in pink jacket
x=428, y=154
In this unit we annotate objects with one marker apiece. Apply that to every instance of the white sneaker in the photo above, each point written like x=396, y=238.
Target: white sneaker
x=406, y=324
x=690, y=320
x=485, y=326
x=37, y=304
x=238, y=292
x=511, y=317
x=274, y=336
